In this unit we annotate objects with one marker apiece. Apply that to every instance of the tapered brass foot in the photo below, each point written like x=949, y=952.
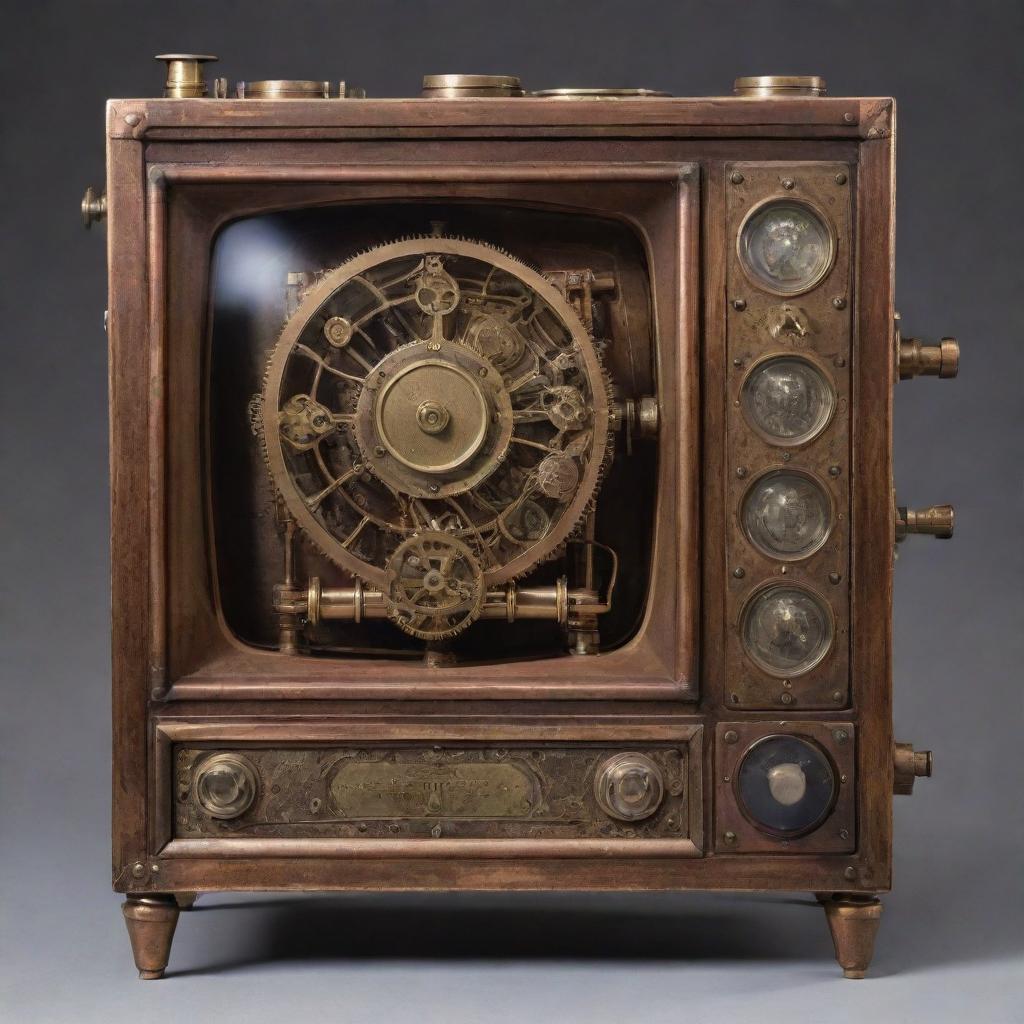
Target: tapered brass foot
x=186, y=900
x=853, y=921
x=151, y=921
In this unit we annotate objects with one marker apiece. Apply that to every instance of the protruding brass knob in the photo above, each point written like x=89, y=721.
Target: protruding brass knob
x=226, y=785
x=937, y=520
x=185, y=74
x=909, y=764
x=916, y=358
x=629, y=787
x=94, y=207
x=760, y=86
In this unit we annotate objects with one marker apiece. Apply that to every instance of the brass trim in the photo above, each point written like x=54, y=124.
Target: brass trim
x=764, y=86
x=792, y=200
x=461, y=86
x=185, y=79
x=284, y=89
x=807, y=475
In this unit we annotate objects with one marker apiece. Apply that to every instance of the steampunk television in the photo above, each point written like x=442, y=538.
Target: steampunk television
x=502, y=492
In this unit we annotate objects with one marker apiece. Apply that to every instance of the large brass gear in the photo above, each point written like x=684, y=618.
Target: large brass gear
x=435, y=384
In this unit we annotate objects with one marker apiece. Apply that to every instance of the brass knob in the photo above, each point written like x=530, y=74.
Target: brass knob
x=762, y=86
x=936, y=520
x=94, y=207
x=909, y=764
x=185, y=74
x=629, y=787
x=916, y=358
x=226, y=785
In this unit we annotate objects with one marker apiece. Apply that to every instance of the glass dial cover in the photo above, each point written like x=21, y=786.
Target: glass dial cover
x=786, y=247
x=786, y=514
x=787, y=399
x=786, y=630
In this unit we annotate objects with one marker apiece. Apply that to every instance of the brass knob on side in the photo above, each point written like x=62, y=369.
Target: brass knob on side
x=185, y=74
x=629, y=787
x=909, y=764
x=916, y=358
x=94, y=207
x=936, y=520
x=226, y=785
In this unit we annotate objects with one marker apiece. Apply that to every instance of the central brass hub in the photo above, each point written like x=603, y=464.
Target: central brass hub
x=432, y=417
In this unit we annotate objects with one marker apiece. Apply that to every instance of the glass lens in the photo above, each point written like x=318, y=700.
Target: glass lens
x=786, y=247
x=787, y=399
x=786, y=631
x=786, y=785
x=786, y=515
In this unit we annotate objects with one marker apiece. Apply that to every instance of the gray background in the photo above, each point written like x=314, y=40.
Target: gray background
x=952, y=938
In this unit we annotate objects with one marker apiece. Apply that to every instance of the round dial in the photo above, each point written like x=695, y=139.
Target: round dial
x=786, y=246
x=786, y=514
x=786, y=630
x=786, y=785
x=225, y=785
x=435, y=385
x=629, y=787
x=787, y=400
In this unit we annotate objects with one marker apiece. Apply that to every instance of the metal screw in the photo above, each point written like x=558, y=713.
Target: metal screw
x=434, y=488
x=840, y=178
x=840, y=361
x=436, y=831
x=737, y=362
x=834, y=471
x=731, y=736
x=482, y=371
x=155, y=868
x=849, y=118
x=739, y=572
x=839, y=302
x=786, y=684
x=379, y=451
x=730, y=837
x=842, y=778
x=741, y=471
x=132, y=119
x=849, y=873
x=788, y=183
x=844, y=833
x=786, y=698
x=837, y=696
x=786, y=456
x=138, y=870
x=739, y=305
x=834, y=577
x=736, y=178
x=840, y=735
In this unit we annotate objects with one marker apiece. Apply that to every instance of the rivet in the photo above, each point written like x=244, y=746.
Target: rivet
x=736, y=178
x=840, y=361
x=138, y=870
x=786, y=684
x=739, y=572
x=727, y=778
x=834, y=471
x=849, y=873
x=739, y=305
x=786, y=698
x=737, y=362
x=839, y=302
x=741, y=471
x=362, y=826
x=842, y=778
x=840, y=178
x=132, y=119
x=730, y=837
x=788, y=183
x=834, y=578
x=731, y=736
x=482, y=371
x=849, y=118
x=786, y=456
x=434, y=488
x=840, y=735
x=784, y=570
x=844, y=833
x=155, y=868
x=734, y=697
x=837, y=696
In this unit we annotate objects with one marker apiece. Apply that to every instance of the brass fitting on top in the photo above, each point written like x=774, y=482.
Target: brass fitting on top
x=936, y=520
x=916, y=358
x=185, y=78
x=909, y=764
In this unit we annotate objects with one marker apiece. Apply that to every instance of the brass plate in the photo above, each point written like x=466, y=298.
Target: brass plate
x=519, y=791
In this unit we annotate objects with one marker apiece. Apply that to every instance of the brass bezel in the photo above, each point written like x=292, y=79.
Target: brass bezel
x=803, y=439
x=242, y=764
x=780, y=833
x=818, y=212
x=807, y=475
x=782, y=583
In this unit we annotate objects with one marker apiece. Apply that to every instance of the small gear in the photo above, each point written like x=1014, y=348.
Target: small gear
x=435, y=586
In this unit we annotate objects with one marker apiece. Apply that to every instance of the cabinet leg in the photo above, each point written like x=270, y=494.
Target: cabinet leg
x=186, y=900
x=150, y=921
x=853, y=921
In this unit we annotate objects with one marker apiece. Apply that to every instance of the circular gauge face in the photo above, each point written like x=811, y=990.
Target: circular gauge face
x=786, y=514
x=786, y=630
x=786, y=246
x=786, y=785
x=787, y=400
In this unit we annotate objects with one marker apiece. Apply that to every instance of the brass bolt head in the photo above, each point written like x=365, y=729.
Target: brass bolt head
x=736, y=178
x=731, y=736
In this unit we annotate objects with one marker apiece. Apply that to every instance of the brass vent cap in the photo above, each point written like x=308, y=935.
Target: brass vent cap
x=460, y=86
x=779, y=85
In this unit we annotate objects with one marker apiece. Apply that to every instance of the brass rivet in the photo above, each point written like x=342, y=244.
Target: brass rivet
x=736, y=178
x=788, y=183
x=849, y=118
x=730, y=837
x=786, y=456
x=434, y=488
x=834, y=471
x=786, y=684
x=739, y=572
x=842, y=778
x=731, y=736
x=138, y=870
x=839, y=302
x=741, y=471
x=155, y=868
x=837, y=696
x=786, y=698
x=844, y=833
x=737, y=362
x=834, y=577
x=132, y=119
x=849, y=873
x=727, y=778
x=840, y=735
x=840, y=178
x=739, y=305
x=840, y=361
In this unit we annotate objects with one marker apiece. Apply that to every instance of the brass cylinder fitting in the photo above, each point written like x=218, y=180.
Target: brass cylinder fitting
x=936, y=520
x=94, y=207
x=763, y=86
x=921, y=359
x=909, y=764
x=185, y=74
x=457, y=87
